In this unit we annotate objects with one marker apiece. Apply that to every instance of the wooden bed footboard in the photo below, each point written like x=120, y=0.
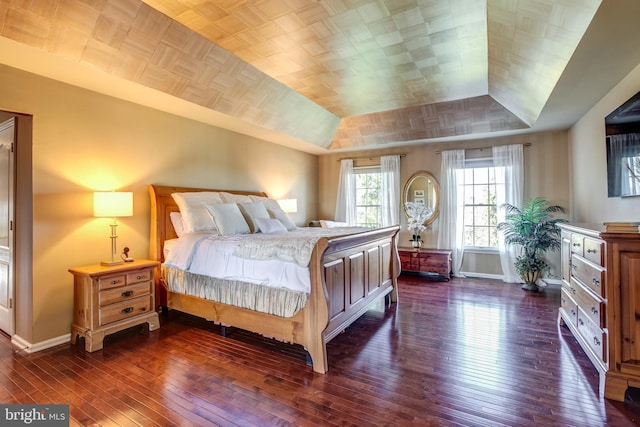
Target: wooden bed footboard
x=348, y=275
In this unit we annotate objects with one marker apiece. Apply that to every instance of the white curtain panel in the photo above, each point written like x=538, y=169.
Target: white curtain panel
x=508, y=159
x=390, y=200
x=450, y=235
x=346, y=201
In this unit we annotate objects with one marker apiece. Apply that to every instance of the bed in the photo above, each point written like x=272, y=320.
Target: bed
x=347, y=275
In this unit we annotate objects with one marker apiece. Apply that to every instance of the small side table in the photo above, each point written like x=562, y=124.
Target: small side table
x=110, y=299
x=433, y=262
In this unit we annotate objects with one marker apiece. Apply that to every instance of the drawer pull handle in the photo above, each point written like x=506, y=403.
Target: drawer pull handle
x=563, y=300
x=113, y=282
x=591, y=251
x=596, y=282
x=596, y=341
x=594, y=310
x=573, y=290
x=577, y=245
x=127, y=310
x=138, y=277
x=574, y=267
x=581, y=322
x=127, y=293
x=573, y=312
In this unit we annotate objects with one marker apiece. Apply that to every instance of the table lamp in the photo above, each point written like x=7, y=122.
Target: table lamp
x=112, y=204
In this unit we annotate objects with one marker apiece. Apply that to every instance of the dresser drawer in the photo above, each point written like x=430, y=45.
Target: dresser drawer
x=109, y=282
x=589, y=274
x=595, y=337
x=593, y=306
x=594, y=250
x=122, y=310
x=435, y=264
x=577, y=244
x=123, y=293
x=569, y=306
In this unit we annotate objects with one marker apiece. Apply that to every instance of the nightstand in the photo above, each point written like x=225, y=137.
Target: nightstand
x=110, y=299
x=435, y=262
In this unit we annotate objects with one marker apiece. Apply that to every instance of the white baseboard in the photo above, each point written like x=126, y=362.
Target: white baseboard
x=481, y=275
x=22, y=345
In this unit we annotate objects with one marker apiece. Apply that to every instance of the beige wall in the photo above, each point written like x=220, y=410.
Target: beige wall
x=589, y=162
x=83, y=141
x=546, y=175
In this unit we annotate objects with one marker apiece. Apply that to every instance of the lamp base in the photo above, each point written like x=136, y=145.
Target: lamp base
x=111, y=263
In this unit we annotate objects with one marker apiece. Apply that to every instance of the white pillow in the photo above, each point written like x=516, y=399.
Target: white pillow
x=332, y=224
x=194, y=215
x=270, y=226
x=268, y=203
x=281, y=216
x=228, y=219
x=253, y=211
x=234, y=198
x=177, y=222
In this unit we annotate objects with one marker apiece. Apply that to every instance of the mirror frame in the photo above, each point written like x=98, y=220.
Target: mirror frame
x=436, y=188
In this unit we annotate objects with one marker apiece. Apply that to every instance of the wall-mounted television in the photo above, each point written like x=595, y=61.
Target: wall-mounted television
x=623, y=149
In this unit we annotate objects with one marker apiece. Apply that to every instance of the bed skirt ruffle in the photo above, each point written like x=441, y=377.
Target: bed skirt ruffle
x=265, y=299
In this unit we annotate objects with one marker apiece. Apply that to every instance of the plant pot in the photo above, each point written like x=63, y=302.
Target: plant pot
x=531, y=287
x=416, y=244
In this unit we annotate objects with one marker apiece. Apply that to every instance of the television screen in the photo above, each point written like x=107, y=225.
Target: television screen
x=623, y=149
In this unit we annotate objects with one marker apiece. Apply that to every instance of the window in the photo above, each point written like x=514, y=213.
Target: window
x=368, y=188
x=480, y=187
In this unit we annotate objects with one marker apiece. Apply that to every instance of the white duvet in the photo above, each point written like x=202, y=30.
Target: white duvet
x=213, y=255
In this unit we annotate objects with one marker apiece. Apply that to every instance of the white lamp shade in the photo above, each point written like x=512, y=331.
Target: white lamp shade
x=289, y=205
x=112, y=204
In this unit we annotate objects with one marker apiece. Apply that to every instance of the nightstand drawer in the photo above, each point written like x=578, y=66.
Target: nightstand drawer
x=125, y=309
x=139, y=276
x=124, y=293
x=112, y=281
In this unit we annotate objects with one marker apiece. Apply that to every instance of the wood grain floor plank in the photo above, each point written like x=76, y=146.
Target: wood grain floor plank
x=467, y=352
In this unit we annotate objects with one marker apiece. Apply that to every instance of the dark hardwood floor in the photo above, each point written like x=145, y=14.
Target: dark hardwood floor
x=465, y=352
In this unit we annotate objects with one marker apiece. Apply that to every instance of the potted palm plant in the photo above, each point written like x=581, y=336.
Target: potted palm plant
x=535, y=230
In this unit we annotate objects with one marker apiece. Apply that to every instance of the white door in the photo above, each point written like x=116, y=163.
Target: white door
x=7, y=137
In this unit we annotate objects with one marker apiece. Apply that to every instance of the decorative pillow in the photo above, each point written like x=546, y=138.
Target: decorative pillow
x=253, y=211
x=177, y=222
x=234, y=198
x=268, y=203
x=194, y=215
x=281, y=216
x=332, y=224
x=270, y=226
x=228, y=219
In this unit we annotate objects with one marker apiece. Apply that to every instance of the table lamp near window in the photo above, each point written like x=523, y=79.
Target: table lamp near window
x=112, y=204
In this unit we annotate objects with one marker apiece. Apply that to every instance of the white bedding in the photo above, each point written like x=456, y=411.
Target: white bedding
x=212, y=255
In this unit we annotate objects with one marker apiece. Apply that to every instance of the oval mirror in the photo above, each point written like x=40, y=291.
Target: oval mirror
x=422, y=187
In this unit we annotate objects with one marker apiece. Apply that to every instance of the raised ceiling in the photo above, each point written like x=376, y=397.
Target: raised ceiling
x=334, y=74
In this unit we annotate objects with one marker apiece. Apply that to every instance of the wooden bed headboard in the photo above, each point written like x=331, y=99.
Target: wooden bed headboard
x=162, y=204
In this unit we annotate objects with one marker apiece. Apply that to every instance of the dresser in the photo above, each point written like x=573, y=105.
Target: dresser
x=110, y=299
x=431, y=262
x=599, y=300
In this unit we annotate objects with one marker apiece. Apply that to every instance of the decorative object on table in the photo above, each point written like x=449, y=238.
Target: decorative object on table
x=113, y=204
x=535, y=230
x=418, y=213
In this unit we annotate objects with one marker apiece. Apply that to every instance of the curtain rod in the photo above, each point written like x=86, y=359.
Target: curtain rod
x=369, y=157
x=526, y=144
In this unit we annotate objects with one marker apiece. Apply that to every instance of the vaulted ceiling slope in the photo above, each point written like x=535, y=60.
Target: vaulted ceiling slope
x=329, y=74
